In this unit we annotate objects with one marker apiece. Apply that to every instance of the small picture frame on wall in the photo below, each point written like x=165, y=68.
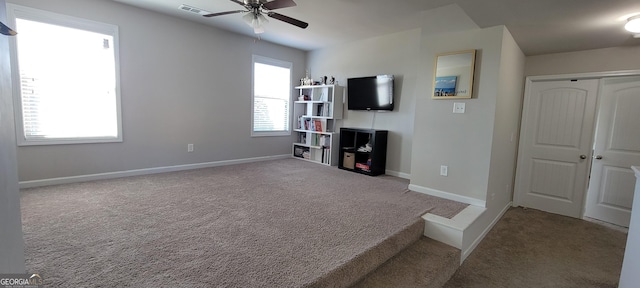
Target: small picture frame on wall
x=445, y=86
x=453, y=75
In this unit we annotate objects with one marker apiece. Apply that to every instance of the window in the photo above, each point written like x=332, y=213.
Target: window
x=271, y=97
x=67, y=85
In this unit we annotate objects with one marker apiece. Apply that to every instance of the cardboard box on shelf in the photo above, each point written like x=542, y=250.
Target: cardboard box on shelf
x=349, y=160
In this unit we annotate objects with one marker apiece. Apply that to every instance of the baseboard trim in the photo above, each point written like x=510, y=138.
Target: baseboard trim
x=145, y=171
x=448, y=195
x=474, y=244
x=456, y=230
x=398, y=174
x=451, y=231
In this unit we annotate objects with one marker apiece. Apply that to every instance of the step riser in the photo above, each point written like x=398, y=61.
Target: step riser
x=352, y=271
x=426, y=263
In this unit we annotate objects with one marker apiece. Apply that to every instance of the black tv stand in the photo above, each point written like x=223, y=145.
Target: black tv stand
x=357, y=156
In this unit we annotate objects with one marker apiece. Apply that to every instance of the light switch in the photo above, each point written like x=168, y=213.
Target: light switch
x=444, y=170
x=458, y=107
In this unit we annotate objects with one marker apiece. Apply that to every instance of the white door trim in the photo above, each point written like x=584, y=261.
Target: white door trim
x=588, y=75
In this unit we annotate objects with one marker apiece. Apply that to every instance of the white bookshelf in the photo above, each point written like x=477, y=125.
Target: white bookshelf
x=316, y=111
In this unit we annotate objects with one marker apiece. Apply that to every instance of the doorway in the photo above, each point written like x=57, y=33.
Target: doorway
x=579, y=138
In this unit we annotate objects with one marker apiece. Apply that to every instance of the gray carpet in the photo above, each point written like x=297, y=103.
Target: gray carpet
x=284, y=223
x=531, y=248
x=426, y=263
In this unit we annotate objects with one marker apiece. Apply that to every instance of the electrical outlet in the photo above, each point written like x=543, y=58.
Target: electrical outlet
x=189, y=147
x=458, y=107
x=444, y=170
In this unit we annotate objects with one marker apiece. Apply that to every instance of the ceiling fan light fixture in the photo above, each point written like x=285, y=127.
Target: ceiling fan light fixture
x=255, y=21
x=255, y=10
x=259, y=21
x=258, y=30
x=262, y=20
x=248, y=18
x=633, y=24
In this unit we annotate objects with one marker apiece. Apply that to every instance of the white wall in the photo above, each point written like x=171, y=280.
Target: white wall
x=597, y=60
x=181, y=83
x=397, y=54
x=460, y=141
x=11, y=242
x=507, y=122
x=390, y=54
x=478, y=145
x=505, y=140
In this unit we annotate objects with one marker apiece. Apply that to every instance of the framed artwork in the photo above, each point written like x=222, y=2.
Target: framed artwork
x=453, y=75
x=445, y=86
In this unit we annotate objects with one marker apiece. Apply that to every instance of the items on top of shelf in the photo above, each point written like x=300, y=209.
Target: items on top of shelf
x=324, y=80
x=306, y=80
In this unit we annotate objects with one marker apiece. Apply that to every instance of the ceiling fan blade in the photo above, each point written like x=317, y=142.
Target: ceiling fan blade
x=288, y=19
x=238, y=2
x=277, y=4
x=224, y=13
x=5, y=30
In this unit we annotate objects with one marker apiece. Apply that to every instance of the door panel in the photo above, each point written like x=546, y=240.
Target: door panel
x=553, y=179
x=616, y=149
x=561, y=115
x=557, y=129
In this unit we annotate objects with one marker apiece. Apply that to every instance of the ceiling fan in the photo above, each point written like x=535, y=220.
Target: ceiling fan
x=255, y=10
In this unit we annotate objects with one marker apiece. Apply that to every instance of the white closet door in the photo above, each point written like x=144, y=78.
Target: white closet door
x=555, y=145
x=616, y=149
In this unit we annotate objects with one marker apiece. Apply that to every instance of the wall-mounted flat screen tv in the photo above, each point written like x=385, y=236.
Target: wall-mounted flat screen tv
x=370, y=93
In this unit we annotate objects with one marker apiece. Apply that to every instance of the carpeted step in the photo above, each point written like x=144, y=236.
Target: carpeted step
x=426, y=263
x=353, y=270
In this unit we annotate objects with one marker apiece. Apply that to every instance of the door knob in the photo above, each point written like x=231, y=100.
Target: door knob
x=598, y=157
x=583, y=156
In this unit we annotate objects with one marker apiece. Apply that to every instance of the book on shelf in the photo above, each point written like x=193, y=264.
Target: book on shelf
x=325, y=141
x=308, y=125
x=314, y=140
x=301, y=122
x=327, y=159
x=317, y=126
x=323, y=110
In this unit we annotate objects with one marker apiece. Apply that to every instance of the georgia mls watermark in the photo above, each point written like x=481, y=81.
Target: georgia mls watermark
x=21, y=281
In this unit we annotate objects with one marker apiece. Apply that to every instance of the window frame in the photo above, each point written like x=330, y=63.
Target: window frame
x=274, y=62
x=17, y=11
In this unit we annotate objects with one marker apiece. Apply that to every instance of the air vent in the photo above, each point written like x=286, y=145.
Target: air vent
x=193, y=10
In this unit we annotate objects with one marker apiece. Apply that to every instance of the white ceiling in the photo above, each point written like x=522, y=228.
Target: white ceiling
x=538, y=26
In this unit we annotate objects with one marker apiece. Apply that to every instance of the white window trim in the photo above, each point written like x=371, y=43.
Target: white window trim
x=274, y=62
x=33, y=14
